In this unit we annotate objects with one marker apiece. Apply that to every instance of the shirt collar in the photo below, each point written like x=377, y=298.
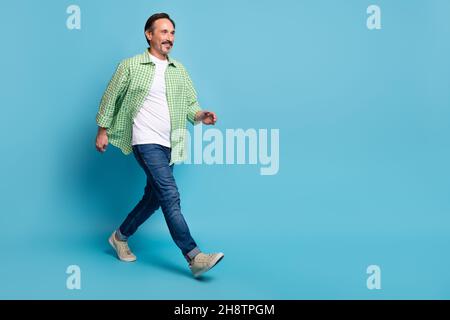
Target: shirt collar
x=145, y=58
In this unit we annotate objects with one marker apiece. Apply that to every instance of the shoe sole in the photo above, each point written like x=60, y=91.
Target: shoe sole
x=215, y=262
x=111, y=242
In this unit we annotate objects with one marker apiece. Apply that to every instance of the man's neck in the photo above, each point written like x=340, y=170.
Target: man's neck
x=157, y=54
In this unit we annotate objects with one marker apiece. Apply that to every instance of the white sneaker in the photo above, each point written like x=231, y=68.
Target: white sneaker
x=121, y=247
x=203, y=262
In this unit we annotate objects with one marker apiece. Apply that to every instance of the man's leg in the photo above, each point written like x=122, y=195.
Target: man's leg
x=156, y=159
x=143, y=210
x=140, y=213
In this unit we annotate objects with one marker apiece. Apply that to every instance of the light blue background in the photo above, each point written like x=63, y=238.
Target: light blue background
x=364, y=151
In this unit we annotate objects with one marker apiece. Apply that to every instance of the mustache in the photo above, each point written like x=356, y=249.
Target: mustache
x=167, y=42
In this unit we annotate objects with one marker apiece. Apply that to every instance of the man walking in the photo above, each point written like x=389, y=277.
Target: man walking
x=144, y=110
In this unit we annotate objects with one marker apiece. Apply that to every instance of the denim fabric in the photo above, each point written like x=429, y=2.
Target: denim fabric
x=160, y=190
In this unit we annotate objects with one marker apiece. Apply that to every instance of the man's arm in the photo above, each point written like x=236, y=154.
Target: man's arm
x=108, y=105
x=115, y=89
x=195, y=114
x=193, y=107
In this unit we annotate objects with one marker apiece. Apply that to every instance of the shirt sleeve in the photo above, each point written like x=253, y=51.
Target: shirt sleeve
x=192, y=103
x=112, y=96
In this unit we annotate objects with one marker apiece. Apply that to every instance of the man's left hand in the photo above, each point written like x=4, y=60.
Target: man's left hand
x=206, y=117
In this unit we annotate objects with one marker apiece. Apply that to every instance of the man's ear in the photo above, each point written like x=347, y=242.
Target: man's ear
x=148, y=34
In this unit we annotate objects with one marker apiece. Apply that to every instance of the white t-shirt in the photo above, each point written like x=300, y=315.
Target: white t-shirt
x=152, y=122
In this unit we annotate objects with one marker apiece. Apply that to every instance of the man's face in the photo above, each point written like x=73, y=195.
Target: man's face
x=162, y=37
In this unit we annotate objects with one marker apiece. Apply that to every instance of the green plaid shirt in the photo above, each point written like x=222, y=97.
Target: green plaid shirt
x=125, y=95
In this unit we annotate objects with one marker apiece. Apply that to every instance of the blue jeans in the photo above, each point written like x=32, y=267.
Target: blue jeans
x=161, y=190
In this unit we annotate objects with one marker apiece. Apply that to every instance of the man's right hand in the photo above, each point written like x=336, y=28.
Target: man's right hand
x=101, y=142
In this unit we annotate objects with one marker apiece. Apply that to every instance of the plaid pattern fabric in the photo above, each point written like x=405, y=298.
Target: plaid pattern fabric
x=125, y=95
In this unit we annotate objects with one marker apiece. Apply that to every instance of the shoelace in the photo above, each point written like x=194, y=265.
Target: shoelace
x=205, y=258
x=123, y=247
